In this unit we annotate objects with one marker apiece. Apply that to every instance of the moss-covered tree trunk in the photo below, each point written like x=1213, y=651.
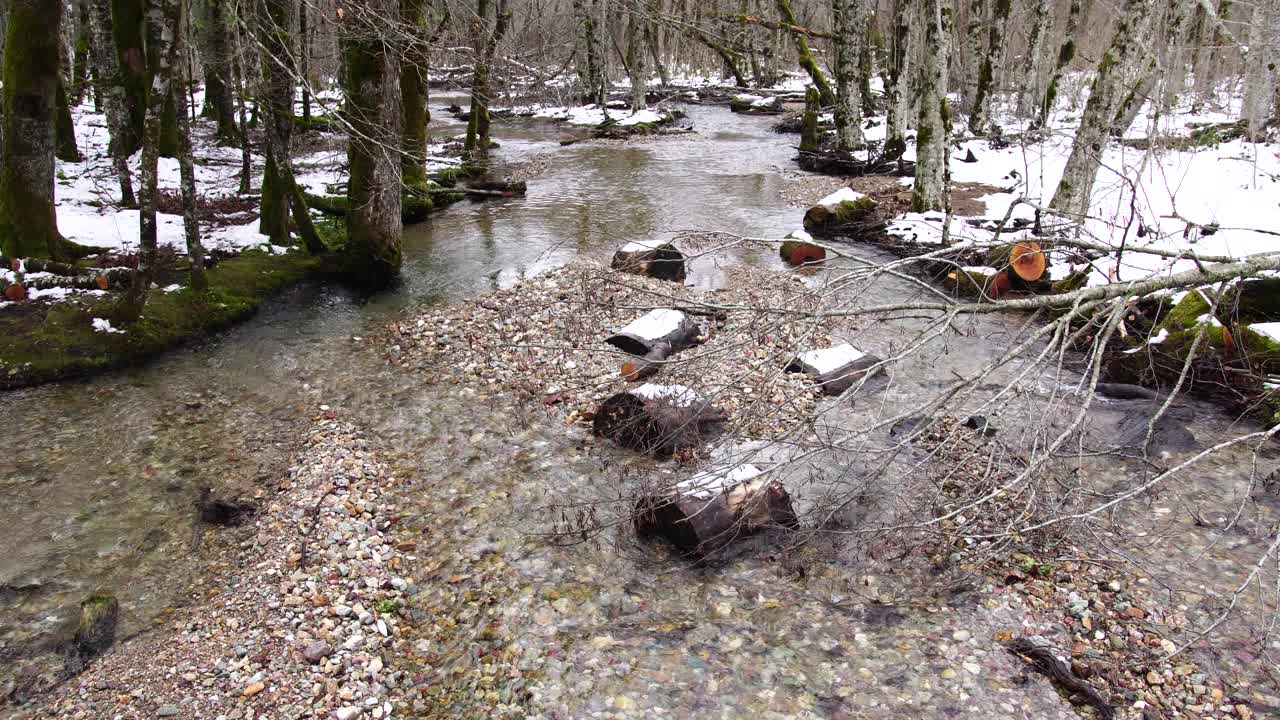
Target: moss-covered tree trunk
x=847, y=38
x=1036, y=60
x=275, y=22
x=979, y=114
x=807, y=61
x=65, y=128
x=636, y=55
x=595, y=85
x=214, y=34
x=1119, y=62
x=162, y=20
x=1066, y=53
x=414, y=91
x=487, y=36
x=897, y=90
x=371, y=81
x=80, y=54
x=128, y=25
x=111, y=90
x=809, y=121
x=28, y=222
x=187, y=172
x=970, y=58
x=1149, y=77
x=933, y=129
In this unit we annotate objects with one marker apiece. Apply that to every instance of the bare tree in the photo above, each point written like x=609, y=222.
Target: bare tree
x=931, y=190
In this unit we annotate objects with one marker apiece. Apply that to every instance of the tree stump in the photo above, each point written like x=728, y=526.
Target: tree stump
x=651, y=259
x=843, y=212
x=657, y=419
x=710, y=511
x=668, y=330
x=834, y=369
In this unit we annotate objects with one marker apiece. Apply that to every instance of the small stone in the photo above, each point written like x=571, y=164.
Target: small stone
x=1153, y=678
x=253, y=689
x=167, y=711
x=346, y=713
x=948, y=674
x=972, y=668
x=316, y=651
x=961, y=635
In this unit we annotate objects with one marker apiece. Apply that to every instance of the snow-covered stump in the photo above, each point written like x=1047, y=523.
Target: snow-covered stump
x=657, y=419
x=798, y=249
x=671, y=330
x=659, y=260
x=712, y=510
x=844, y=212
x=834, y=369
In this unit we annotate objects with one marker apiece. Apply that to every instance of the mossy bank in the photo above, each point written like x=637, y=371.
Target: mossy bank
x=42, y=342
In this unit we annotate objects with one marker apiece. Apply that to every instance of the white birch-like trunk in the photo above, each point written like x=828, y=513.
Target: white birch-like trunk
x=975, y=37
x=1119, y=63
x=636, y=68
x=1258, y=77
x=1037, y=57
x=111, y=90
x=897, y=90
x=930, y=191
x=848, y=25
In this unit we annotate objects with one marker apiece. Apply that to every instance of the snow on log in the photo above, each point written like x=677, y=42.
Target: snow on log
x=657, y=419
x=711, y=510
x=834, y=369
x=653, y=259
x=656, y=329
x=798, y=249
x=100, y=280
x=843, y=212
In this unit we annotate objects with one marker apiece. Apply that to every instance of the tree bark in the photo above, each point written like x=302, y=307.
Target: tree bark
x=186, y=168
x=979, y=115
x=1066, y=53
x=64, y=127
x=414, y=91
x=975, y=34
x=111, y=90
x=933, y=129
x=636, y=68
x=1119, y=61
x=275, y=20
x=372, y=85
x=476, y=148
x=1041, y=26
x=897, y=90
x=128, y=25
x=595, y=84
x=28, y=222
x=848, y=37
x=162, y=18
x=807, y=62
x=1260, y=69
x=80, y=54
x=216, y=34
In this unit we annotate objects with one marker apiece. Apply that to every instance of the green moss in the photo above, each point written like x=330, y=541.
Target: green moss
x=416, y=203
x=848, y=212
x=317, y=123
x=40, y=343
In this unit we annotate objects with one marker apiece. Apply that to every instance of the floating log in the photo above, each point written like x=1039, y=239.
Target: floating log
x=834, y=369
x=659, y=260
x=710, y=511
x=656, y=329
x=798, y=249
x=507, y=187
x=657, y=419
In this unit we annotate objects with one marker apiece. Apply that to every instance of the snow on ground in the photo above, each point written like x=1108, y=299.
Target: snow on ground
x=1142, y=198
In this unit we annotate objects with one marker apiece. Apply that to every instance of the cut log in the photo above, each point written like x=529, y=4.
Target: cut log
x=34, y=265
x=657, y=419
x=1025, y=265
x=656, y=329
x=13, y=291
x=101, y=280
x=711, y=510
x=797, y=249
x=843, y=212
x=652, y=259
x=1027, y=260
x=648, y=366
x=834, y=369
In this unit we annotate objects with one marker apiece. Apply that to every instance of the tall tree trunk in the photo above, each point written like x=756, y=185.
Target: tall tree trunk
x=372, y=85
x=476, y=148
x=242, y=115
x=304, y=60
x=28, y=221
x=975, y=36
x=275, y=23
x=215, y=35
x=847, y=38
x=1066, y=53
x=162, y=20
x=128, y=19
x=897, y=90
x=413, y=92
x=1258, y=75
x=653, y=38
x=111, y=90
x=636, y=68
x=186, y=168
x=1147, y=77
x=979, y=115
x=1041, y=27
x=807, y=62
x=1119, y=62
x=931, y=189
x=80, y=54
x=65, y=147
x=594, y=79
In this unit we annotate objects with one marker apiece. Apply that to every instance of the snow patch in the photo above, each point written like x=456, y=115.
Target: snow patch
x=104, y=326
x=654, y=324
x=710, y=483
x=826, y=360
x=678, y=395
x=839, y=196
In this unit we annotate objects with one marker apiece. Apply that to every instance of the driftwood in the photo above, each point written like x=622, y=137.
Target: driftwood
x=709, y=511
x=657, y=419
x=656, y=329
x=1039, y=653
x=656, y=260
x=834, y=369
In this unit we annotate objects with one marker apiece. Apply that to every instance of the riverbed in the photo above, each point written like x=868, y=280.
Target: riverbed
x=101, y=478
